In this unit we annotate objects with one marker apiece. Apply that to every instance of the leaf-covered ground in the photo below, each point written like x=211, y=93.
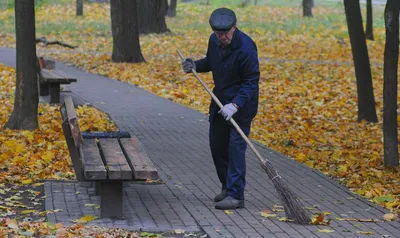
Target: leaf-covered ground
x=308, y=99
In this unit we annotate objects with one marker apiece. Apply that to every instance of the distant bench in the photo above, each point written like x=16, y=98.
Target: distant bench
x=51, y=78
x=107, y=161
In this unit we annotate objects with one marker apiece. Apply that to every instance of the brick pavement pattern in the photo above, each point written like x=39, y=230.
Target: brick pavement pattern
x=176, y=139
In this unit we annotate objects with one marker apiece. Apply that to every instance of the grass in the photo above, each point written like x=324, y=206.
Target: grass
x=323, y=19
x=71, y=26
x=10, y=4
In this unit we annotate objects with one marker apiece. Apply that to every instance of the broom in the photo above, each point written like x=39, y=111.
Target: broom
x=291, y=204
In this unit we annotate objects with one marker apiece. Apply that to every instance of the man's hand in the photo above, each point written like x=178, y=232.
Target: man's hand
x=228, y=110
x=188, y=65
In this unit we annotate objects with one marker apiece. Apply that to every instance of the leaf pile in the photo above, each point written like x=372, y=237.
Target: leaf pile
x=26, y=156
x=13, y=228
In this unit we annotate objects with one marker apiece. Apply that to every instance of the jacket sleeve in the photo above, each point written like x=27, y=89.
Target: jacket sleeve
x=251, y=76
x=203, y=65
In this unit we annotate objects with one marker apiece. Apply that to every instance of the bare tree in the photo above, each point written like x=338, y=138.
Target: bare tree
x=244, y=3
x=24, y=115
x=79, y=7
x=369, y=28
x=152, y=16
x=172, y=8
x=391, y=59
x=307, y=8
x=125, y=31
x=365, y=91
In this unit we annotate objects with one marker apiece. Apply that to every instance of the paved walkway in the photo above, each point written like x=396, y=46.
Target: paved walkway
x=176, y=139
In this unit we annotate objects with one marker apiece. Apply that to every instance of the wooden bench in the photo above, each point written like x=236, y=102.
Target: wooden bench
x=106, y=161
x=50, y=80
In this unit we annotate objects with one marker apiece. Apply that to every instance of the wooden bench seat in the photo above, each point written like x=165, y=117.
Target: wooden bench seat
x=50, y=80
x=107, y=161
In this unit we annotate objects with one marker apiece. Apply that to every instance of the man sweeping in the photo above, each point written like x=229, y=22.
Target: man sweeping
x=232, y=59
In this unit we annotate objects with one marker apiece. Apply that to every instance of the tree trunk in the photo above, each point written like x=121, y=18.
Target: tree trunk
x=152, y=16
x=365, y=91
x=172, y=9
x=124, y=24
x=79, y=7
x=245, y=3
x=369, y=28
x=24, y=115
x=307, y=8
x=391, y=56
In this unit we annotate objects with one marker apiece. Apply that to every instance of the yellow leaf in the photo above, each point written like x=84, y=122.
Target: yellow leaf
x=4, y=208
x=19, y=148
x=24, y=212
x=228, y=212
x=325, y=230
x=27, y=181
x=263, y=214
x=284, y=219
x=85, y=219
x=48, y=157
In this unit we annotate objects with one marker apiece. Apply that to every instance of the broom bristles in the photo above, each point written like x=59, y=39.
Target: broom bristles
x=293, y=208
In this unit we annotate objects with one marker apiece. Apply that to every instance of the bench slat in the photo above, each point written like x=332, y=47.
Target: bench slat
x=118, y=167
x=56, y=76
x=93, y=166
x=143, y=167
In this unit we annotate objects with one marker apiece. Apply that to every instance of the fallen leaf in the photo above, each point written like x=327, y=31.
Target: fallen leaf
x=179, y=231
x=285, y=219
x=320, y=220
x=24, y=212
x=12, y=223
x=278, y=210
x=85, y=219
x=356, y=219
x=390, y=217
x=366, y=232
x=228, y=212
x=388, y=198
x=147, y=234
x=325, y=230
x=263, y=214
x=27, y=181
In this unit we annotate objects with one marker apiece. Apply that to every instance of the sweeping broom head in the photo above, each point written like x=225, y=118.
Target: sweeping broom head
x=291, y=204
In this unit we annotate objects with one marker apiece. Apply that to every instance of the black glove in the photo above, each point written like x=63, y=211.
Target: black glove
x=188, y=65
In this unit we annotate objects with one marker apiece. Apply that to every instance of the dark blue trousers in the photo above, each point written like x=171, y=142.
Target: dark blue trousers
x=228, y=151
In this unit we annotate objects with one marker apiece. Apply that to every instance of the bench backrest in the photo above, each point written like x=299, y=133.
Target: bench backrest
x=107, y=158
x=73, y=135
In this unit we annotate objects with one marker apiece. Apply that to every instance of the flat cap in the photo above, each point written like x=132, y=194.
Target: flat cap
x=222, y=19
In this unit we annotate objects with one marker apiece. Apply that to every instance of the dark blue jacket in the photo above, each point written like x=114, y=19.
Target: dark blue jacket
x=236, y=74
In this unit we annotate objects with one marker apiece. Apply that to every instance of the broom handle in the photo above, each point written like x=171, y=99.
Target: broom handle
x=220, y=105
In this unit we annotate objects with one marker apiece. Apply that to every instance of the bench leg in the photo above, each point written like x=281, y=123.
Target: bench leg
x=97, y=188
x=44, y=89
x=54, y=92
x=111, y=199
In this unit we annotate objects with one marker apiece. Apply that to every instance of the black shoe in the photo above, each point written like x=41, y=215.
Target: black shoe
x=229, y=203
x=221, y=196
